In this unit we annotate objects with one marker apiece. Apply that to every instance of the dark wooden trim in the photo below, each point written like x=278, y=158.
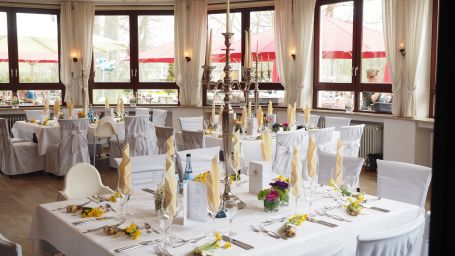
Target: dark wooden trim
x=434, y=51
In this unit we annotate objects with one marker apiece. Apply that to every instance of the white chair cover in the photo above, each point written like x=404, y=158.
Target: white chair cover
x=200, y=159
x=8, y=248
x=285, y=142
x=105, y=129
x=162, y=135
x=314, y=120
x=403, y=182
x=74, y=114
x=398, y=241
x=36, y=114
x=327, y=161
x=142, y=112
x=323, y=137
x=72, y=149
x=329, y=250
x=159, y=117
x=351, y=136
x=140, y=135
x=109, y=112
x=83, y=180
x=426, y=235
x=337, y=122
x=146, y=171
x=18, y=157
x=191, y=123
x=193, y=139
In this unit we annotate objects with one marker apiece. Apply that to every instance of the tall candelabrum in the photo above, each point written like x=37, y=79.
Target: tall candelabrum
x=226, y=84
x=82, y=76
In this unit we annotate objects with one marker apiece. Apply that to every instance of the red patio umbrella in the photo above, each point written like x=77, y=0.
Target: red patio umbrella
x=32, y=57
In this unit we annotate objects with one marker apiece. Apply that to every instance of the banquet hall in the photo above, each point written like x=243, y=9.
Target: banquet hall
x=225, y=127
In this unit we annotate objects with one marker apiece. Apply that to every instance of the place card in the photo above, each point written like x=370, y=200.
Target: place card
x=195, y=202
x=272, y=118
x=252, y=128
x=260, y=174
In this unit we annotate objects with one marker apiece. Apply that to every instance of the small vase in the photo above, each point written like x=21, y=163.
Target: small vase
x=285, y=200
x=271, y=205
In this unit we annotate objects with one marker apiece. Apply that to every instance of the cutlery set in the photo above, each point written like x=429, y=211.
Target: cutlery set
x=90, y=220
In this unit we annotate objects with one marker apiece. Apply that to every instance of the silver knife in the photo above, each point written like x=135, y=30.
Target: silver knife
x=133, y=246
x=102, y=227
x=91, y=220
x=377, y=208
x=237, y=242
x=325, y=223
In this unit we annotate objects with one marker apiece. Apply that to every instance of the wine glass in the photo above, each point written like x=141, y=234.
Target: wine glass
x=236, y=170
x=333, y=178
x=165, y=219
x=231, y=207
x=308, y=196
x=350, y=182
x=213, y=213
x=244, y=126
x=124, y=199
x=206, y=124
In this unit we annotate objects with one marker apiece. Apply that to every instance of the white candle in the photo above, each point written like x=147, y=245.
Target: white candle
x=257, y=50
x=210, y=49
x=249, y=49
x=246, y=61
x=206, y=62
x=228, y=20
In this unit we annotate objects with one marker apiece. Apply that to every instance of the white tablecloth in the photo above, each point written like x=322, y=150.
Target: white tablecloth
x=56, y=228
x=50, y=135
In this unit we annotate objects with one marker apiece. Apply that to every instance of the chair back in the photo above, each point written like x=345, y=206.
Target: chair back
x=162, y=135
x=337, y=122
x=314, y=120
x=140, y=135
x=285, y=142
x=146, y=171
x=327, y=161
x=83, y=180
x=142, y=112
x=403, y=182
x=73, y=146
x=398, y=241
x=193, y=139
x=36, y=114
x=74, y=114
x=191, y=123
x=351, y=136
x=426, y=235
x=106, y=127
x=159, y=117
x=109, y=112
x=6, y=147
x=201, y=159
x=8, y=248
x=322, y=138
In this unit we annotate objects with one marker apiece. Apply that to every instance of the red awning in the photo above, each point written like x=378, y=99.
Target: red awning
x=32, y=57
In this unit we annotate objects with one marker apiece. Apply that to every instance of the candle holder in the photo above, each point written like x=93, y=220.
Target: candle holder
x=247, y=83
x=82, y=77
x=227, y=84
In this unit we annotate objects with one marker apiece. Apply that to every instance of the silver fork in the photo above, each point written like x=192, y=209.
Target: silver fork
x=271, y=233
x=157, y=250
x=164, y=251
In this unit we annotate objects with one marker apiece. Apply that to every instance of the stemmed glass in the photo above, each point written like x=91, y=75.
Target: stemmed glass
x=244, y=127
x=333, y=177
x=165, y=219
x=237, y=170
x=350, y=181
x=230, y=209
x=308, y=195
x=206, y=124
x=213, y=216
x=124, y=199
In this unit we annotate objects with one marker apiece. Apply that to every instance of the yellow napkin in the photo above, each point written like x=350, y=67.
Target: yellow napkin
x=236, y=149
x=124, y=169
x=249, y=109
x=170, y=181
x=69, y=108
x=290, y=112
x=260, y=116
x=311, y=157
x=106, y=102
x=220, y=116
x=307, y=114
x=267, y=145
x=212, y=117
x=296, y=172
x=118, y=106
x=243, y=119
x=270, y=108
x=122, y=106
x=294, y=110
x=339, y=164
x=46, y=105
x=57, y=108
x=213, y=186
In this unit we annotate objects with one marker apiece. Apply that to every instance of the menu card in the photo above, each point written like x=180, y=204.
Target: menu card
x=196, y=202
x=260, y=174
x=252, y=127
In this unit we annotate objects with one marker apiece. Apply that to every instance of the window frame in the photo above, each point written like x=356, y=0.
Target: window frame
x=134, y=82
x=434, y=57
x=245, y=15
x=356, y=86
x=13, y=54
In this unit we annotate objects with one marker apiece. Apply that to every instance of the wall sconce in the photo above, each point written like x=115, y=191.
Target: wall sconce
x=402, y=50
x=187, y=57
x=74, y=57
x=293, y=54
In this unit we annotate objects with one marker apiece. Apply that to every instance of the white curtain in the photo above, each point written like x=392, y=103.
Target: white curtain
x=76, y=33
x=294, y=22
x=407, y=22
x=190, y=36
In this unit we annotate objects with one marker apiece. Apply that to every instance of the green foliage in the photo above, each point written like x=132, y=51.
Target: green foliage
x=263, y=194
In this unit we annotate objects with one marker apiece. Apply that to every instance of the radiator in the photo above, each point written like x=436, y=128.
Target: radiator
x=11, y=119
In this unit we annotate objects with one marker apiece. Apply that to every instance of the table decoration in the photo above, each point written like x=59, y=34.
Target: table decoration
x=214, y=189
x=271, y=199
x=81, y=114
x=92, y=212
x=115, y=197
x=285, y=125
x=281, y=185
x=276, y=127
x=289, y=228
x=266, y=145
x=353, y=206
x=15, y=102
x=133, y=231
x=259, y=175
x=216, y=244
x=296, y=176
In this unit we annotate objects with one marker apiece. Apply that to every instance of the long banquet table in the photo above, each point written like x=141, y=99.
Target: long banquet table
x=55, y=228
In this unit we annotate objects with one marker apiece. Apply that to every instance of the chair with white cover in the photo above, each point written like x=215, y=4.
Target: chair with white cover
x=193, y=139
x=332, y=249
x=162, y=135
x=159, y=117
x=426, y=235
x=83, y=180
x=72, y=149
x=191, y=123
x=8, y=248
x=403, y=240
x=201, y=159
x=337, y=122
x=105, y=129
x=403, y=182
x=74, y=114
x=146, y=171
x=314, y=120
x=351, y=136
x=36, y=114
x=142, y=112
x=285, y=142
x=140, y=135
x=19, y=157
x=327, y=161
x=322, y=138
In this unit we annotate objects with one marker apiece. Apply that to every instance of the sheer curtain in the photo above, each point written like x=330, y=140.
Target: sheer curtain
x=190, y=36
x=294, y=22
x=76, y=32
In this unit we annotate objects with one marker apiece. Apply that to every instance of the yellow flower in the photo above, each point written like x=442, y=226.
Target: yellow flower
x=227, y=245
x=136, y=234
x=131, y=228
x=218, y=236
x=282, y=178
x=216, y=244
x=202, y=177
x=94, y=212
x=360, y=197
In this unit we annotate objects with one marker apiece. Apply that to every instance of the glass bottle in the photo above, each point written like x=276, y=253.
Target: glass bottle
x=188, y=175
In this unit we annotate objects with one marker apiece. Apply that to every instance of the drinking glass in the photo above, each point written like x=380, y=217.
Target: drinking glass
x=165, y=220
x=350, y=182
x=231, y=207
x=206, y=124
x=308, y=196
x=237, y=170
x=124, y=199
x=244, y=127
x=213, y=216
x=333, y=176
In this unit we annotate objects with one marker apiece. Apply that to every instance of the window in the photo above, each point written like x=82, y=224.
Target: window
x=351, y=70
x=4, y=58
x=113, y=95
x=150, y=96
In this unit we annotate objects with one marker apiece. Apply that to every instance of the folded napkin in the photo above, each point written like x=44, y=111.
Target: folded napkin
x=270, y=108
x=69, y=109
x=307, y=114
x=311, y=157
x=290, y=112
x=213, y=186
x=57, y=108
x=339, y=164
x=249, y=109
x=267, y=145
x=46, y=105
x=220, y=116
x=294, y=110
x=243, y=119
x=170, y=181
x=296, y=172
x=124, y=183
x=236, y=150
x=106, y=102
x=213, y=115
x=122, y=106
x=260, y=116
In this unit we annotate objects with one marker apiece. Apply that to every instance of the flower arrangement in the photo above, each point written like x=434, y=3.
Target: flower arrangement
x=289, y=228
x=267, y=121
x=81, y=114
x=132, y=230
x=354, y=206
x=285, y=126
x=92, y=212
x=15, y=102
x=276, y=127
x=281, y=185
x=201, y=177
x=234, y=177
x=271, y=199
x=114, y=198
x=203, y=249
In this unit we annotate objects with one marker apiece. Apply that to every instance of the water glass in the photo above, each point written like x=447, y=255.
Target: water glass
x=231, y=210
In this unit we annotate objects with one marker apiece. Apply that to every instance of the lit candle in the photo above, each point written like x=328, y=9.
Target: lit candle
x=74, y=55
x=401, y=45
x=228, y=20
x=210, y=49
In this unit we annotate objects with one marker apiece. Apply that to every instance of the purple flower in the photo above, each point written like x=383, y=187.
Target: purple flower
x=272, y=195
x=279, y=184
x=285, y=124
